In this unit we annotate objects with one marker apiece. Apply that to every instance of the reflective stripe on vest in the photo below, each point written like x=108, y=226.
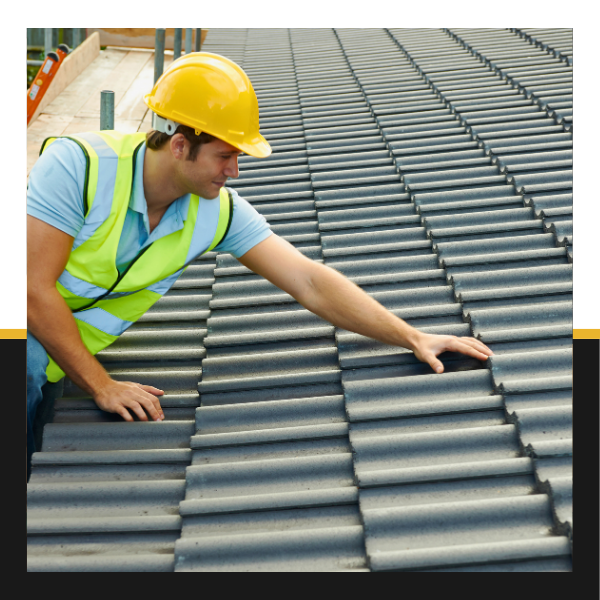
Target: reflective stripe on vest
x=103, y=301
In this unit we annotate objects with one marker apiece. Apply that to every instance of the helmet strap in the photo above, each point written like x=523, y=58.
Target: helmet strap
x=164, y=125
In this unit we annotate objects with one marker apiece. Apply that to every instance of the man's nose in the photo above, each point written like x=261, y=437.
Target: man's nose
x=232, y=170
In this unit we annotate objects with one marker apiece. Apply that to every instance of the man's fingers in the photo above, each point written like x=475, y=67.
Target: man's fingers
x=431, y=359
x=477, y=344
x=152, y=405
x=151, y=389
x=469, y=350
x=148, y=402
x=137, y=409
x=123, y=412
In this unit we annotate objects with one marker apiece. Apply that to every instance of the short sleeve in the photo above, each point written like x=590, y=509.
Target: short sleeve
x=55, y=189
x=248, y=228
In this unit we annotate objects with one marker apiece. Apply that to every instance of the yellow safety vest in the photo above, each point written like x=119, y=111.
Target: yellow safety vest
x=103, y=301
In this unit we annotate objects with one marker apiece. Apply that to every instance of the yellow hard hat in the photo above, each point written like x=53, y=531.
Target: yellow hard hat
x=213, y=95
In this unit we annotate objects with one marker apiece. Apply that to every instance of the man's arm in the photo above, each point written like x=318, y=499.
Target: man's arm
x=51, y=322
x=333, y=297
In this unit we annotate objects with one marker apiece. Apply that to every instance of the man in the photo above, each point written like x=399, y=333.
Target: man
x=113, y=219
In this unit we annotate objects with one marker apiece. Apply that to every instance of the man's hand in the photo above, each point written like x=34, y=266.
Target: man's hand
x=118, y=396
x=428, y=347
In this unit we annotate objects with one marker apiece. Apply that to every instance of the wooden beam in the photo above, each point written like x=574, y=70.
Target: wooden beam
x=137, y=38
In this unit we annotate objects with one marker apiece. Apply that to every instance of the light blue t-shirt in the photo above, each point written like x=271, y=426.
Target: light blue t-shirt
x=55, y=196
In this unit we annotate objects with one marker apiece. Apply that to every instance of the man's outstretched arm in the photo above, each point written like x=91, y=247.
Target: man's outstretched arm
x=333, y=297
x=51, y=322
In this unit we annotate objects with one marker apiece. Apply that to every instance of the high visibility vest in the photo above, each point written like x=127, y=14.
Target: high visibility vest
x=103, y=301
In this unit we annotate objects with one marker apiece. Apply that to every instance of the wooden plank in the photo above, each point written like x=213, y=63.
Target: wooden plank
x=74, y=64
x=82, y=124
x=92, y=107
x=126, y=72
x=79, y=92
x=118, y=81
x=132, y=105
x=139, y=37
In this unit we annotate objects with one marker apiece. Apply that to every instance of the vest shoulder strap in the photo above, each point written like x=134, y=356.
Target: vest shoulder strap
x=225, y=217
x=116, y=140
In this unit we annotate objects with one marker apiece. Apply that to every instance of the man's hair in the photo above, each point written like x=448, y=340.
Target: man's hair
x=155, y=140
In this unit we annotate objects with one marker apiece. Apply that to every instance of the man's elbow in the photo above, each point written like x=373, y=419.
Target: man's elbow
x=37, y=295
x=309, y=291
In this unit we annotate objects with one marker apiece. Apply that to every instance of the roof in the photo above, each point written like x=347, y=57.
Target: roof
x=433, y=168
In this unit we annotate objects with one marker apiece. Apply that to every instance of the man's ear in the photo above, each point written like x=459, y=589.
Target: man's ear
x=178, y=145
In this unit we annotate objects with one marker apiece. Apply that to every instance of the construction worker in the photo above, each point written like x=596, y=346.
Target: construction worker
x=113, y=219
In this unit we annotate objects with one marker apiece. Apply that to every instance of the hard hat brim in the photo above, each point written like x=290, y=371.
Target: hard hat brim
x=259, y=149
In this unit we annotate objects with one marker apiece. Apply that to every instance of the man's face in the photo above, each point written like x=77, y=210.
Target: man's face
x=214, y=164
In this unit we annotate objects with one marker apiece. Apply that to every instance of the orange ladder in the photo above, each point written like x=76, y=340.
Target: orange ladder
x=42, y=80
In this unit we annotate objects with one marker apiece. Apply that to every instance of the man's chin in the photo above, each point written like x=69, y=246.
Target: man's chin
x=210, y=192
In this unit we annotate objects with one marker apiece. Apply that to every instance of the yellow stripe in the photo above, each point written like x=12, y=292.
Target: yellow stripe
x=13, y=334
x=586, y=334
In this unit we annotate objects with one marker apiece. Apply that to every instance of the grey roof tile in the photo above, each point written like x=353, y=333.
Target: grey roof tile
x=552, y=367
x=469, y=206
x=269, y=476
x=529, y=315
x=497, y=523
x=547, y=468
x=441, y=447
x=465, y=248
x=259, y=416
x=281, y=449
x=544, y=423
x=536, y=400
x=323, y=549
x=298, y=361
x=287, y=392
x=372, y=397
x=506, y=260
x=69, y=437
x=92, y=556
x=83, y=507
x=232, y=325
x=262, y=503
x=506, y=478
x=512, y=278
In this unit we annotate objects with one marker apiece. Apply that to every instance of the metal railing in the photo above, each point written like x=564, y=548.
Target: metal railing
x=48, y=39
x=178, y=40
